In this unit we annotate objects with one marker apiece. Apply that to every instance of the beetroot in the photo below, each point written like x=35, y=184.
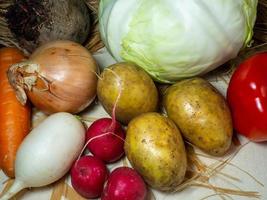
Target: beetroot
x=30, y=23
x=104, y=144
x=124, y=183
x=88, y=176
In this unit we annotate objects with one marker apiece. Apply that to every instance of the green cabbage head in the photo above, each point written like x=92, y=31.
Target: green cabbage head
x=176, y=39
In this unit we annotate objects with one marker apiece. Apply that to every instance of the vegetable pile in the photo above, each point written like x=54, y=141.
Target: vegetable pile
x=150, y=128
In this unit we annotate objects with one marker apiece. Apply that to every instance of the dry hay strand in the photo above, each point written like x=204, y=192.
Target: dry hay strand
x=93, y=5
x=8, y=183
x=260, y=29
x=94, y=42
x=6, y=37
x=199, y=175
x=62, y=189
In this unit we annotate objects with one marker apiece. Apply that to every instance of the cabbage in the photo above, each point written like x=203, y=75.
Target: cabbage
x=176, y=39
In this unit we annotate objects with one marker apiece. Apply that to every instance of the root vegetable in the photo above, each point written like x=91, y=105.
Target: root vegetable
x=107, y=139
x=137, y=91
x=201, y=113
x=88, y=175
x=124, y=183
x=155, y=148
x=47, y=152
x=14, y=118
x=31, y=23
x=60, y=76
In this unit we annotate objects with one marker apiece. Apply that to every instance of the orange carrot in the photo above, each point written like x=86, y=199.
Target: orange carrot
x=14, y=118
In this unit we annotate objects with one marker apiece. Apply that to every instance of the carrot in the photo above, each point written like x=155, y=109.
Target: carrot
x=14, y=118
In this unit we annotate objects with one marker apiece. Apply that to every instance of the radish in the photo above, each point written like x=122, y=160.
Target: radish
x=88, y=175
x=124, y=183
x=106, y=139
x=47, y=152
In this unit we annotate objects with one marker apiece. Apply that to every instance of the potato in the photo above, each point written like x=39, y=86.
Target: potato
x=138, y=91
x=201, y=113
x=155, y=148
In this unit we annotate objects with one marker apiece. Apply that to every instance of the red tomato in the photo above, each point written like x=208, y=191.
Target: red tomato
x=247, y=98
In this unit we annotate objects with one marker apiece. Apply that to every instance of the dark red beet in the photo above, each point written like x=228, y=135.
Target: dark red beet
x=33, y=23
x=124, y=183
x=108, y=147
x=88, y=176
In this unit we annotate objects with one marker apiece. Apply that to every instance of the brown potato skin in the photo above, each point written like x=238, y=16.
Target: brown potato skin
x=138, y=91
x=155, y=148
x=201, y=113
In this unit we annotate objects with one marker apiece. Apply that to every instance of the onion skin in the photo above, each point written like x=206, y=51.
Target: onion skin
x=59, y=76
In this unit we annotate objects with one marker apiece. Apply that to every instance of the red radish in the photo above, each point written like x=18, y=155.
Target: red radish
x=88, y=175
x=106, y=139
x=124, y=183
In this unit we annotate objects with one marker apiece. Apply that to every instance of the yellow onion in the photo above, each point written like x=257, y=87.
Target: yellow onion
x=60, y=76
